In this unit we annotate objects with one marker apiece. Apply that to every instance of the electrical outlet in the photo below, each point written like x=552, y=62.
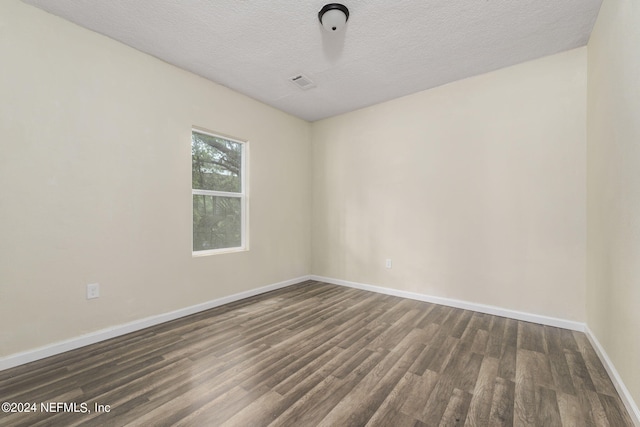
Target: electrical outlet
x=387, y=263
x=93, y=290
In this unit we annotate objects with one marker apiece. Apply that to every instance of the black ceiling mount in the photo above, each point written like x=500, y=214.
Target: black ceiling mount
x=333, y=6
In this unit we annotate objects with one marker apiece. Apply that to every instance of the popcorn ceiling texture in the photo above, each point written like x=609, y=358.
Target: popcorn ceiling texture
x=387, y=50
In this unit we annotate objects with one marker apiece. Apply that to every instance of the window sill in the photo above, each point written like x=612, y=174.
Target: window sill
x=217, y=252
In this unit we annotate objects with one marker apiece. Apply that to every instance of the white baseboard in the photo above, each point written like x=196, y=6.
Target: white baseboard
x=115, y=331
x=488, y=309
x=624, y=393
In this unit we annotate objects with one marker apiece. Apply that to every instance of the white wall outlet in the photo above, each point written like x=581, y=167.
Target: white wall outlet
x=93, y=290
x=387, y=263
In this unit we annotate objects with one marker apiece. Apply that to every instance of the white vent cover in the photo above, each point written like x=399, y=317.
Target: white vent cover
x=302, y=81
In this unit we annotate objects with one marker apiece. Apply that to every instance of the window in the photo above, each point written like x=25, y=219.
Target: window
x=218, y=191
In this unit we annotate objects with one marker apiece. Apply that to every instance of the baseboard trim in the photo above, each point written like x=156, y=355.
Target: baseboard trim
x=115, y=331
x=625, y=395
x=488, y=309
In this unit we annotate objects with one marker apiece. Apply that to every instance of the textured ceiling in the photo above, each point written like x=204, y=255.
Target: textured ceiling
x=388, y=48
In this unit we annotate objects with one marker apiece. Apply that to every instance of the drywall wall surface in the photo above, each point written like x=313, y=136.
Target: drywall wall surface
x=475, y=190
x=96, y=184
x=613, y=198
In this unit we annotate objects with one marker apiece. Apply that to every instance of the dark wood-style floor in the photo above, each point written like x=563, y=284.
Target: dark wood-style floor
x=319, y=354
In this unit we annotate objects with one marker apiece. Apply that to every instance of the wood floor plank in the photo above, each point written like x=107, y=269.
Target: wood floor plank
x=480, y=341
x=259, y=409
x=595, y=415
x=428, y=355
x=391, y=417
x=601, y=381
x=570, y=411
x=547, y=412
x=436, y=315
x=440, y=357
x=393, y=335
x=537, y=365
x=480, y=406
x=348, y=366
x=389, y=412
x=613, y=407
x=301, y=389
x=502, y=403
x=316, y=404
x=510, y=333
x=417, y=392
x=455, y=413
x=461, y=324
x=477, y=322
x=216, y=411
x=531, y=337
x=525, y=392
x=461, y=372
x=507, y=367
x=559, y=367
x=321, y=354
x=578, y=370
x=373, y=389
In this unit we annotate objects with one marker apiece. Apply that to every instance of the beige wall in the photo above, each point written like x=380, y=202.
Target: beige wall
x=96, y=185
x=476, y=190
x=613, y=215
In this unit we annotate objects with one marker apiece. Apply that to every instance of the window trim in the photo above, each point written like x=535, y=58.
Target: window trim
x=243, y=196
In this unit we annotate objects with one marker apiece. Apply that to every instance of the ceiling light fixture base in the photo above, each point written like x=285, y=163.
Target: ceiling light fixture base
x=333, y=16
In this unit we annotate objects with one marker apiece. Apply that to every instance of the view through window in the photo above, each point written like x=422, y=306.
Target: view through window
x=217, y=176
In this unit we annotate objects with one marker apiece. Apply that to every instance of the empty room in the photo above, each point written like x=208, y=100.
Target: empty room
x=301, y=213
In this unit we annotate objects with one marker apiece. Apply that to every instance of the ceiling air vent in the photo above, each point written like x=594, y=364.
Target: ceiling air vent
x=302, y=81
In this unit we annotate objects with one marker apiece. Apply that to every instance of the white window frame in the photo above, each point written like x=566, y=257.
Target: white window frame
x=242, y=195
